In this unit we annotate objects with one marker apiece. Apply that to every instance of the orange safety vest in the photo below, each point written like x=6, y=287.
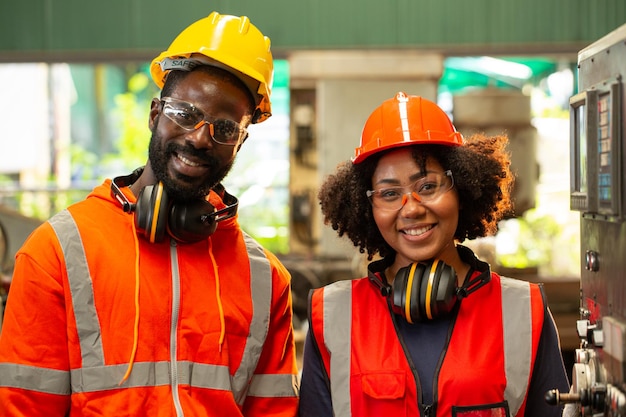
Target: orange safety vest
x=487, y=365
x=214, y=335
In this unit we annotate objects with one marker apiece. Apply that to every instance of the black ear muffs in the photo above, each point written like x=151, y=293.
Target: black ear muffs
x=425, y=290
x=187, y=222
x=156, y=215
x=428, y=290
x=192, y=221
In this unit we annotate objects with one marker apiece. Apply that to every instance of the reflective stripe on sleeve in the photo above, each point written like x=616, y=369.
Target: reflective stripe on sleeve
x=517, y=322
x=50, y=381
x=81, y=287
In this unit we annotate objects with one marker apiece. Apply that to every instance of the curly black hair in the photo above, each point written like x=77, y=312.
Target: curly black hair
x=482, y=178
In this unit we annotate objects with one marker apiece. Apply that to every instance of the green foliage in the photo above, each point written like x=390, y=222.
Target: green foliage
x=267, y=225
x=85, y=160
x=527, y=241
x=132, y=111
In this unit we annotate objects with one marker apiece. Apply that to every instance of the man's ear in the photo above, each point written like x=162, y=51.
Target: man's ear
x=155, y=109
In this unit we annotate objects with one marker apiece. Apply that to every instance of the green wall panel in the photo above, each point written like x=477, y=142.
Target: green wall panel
x=139, y=29
x=22, y=25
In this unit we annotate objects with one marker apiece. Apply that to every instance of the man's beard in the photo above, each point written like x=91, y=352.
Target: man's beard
x=182, y=188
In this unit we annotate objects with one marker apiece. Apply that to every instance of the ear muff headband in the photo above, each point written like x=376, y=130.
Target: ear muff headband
x=408, y=292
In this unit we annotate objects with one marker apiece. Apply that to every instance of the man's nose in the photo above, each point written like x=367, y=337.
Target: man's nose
x=202, y=135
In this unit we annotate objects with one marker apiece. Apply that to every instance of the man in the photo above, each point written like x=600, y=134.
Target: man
x=146, y=298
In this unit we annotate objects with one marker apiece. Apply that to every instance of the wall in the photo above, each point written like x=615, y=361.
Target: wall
x=69, y=30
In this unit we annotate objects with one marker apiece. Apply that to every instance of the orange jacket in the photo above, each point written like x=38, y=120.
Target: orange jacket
x=482, y=373
x=100, y=322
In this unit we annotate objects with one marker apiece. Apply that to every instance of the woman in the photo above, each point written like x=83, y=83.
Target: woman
x=431, y=331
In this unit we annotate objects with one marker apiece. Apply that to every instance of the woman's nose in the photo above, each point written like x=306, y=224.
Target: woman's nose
x=406, y=198
x=411, y=202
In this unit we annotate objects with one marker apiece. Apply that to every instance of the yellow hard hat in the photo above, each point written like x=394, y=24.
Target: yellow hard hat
x=228, y=42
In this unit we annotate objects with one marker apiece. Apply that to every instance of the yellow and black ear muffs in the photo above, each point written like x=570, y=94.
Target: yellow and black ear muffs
x=156, y=215
x=424, y=290
x=427, y=290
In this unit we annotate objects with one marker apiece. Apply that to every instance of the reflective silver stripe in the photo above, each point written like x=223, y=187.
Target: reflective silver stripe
x=144, y=375
x=277, y=385
x=27, y=377
x=338, y=339
x=152, y=374
x=404, y=118
x=205, y=376
x=517, y=322
x=261, y=290
x=81, y=287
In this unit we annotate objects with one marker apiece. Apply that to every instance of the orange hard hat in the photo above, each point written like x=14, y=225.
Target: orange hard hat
x=228, y=42
x=405, y=120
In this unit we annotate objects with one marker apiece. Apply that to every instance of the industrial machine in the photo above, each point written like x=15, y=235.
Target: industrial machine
x=598, y=192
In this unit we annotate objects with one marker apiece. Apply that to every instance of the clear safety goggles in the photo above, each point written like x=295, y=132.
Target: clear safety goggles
x=189, y=117
x=426, y=189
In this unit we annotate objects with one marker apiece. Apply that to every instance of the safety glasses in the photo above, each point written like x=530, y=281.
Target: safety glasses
x=426, y=189
x=189, y=117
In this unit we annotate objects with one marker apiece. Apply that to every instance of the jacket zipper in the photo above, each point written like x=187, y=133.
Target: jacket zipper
x=441, y=358
x=426, y=410
x=173, y=327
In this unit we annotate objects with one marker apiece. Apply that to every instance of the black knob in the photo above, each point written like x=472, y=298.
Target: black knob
x=554, y=397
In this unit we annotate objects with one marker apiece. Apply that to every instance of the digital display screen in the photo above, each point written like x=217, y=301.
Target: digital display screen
x=581, y=126
x=582, y=116
x=595, y=165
